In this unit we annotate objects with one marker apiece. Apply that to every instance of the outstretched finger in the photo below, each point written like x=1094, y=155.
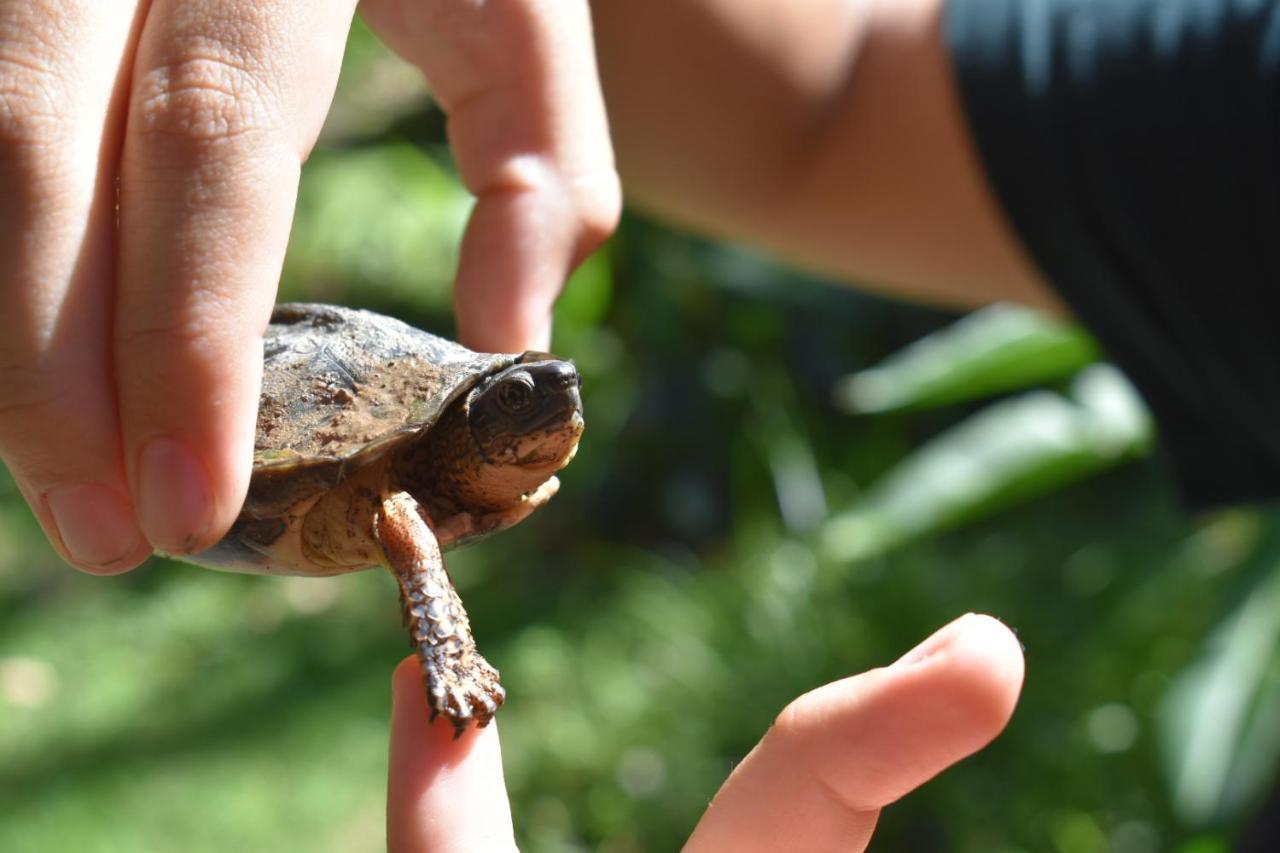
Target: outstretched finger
x=442, y=793
x=517, y=80
x=837, y=755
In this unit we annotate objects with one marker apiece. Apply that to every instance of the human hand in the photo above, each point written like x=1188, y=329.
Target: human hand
x=149, y=159
x=815, y=782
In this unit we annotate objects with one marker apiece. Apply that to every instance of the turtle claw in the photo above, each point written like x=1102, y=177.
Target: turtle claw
x=462, y=688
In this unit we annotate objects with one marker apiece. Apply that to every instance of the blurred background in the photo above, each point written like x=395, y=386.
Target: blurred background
x=782, y=482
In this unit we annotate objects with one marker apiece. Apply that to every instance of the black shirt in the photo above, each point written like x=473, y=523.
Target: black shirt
x=1135, y=146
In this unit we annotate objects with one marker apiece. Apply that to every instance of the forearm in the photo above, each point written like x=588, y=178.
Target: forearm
x=708, y=97
x=829, y=132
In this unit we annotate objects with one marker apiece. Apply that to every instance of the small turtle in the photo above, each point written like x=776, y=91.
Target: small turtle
x=379, y=444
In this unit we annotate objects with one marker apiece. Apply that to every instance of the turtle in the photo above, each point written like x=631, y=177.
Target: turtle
x=379, y=444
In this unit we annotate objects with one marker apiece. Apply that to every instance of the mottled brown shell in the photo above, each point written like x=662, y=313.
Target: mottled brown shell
x=342, y=387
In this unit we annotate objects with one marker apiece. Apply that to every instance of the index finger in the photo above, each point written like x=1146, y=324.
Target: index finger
x=442, y=793
x=526, y=119
x=838, y=754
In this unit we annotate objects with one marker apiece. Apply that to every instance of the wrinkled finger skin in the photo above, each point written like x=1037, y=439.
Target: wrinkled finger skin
x=227, y=98
x=63, y=81
x=149, y=159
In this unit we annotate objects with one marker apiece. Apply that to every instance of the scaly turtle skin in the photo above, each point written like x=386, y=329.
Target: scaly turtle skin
x=379, y=444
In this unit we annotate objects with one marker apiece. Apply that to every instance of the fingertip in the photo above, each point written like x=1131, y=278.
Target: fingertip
x=442, y=793
x=524, y=239
x=984, y=640
x=121, y=566
x=977, y=662
x=414, y=734
x=878, y=735
x=189, y=475
x=991, y=649
x=513, y=264
x=174, y=495
x=92, y=527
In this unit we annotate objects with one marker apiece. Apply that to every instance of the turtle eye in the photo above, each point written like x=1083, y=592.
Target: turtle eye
x=515, y=395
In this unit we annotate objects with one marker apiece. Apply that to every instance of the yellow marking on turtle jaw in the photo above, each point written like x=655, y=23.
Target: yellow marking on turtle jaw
x=542, y=494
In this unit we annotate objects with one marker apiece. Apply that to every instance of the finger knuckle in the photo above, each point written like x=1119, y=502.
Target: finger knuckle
x=179, y=333
x=787, y=724
x=206, y=98
x=799, y=720
x=189, y=328
x=791, y=734
x=597, y=202
x=23, y=406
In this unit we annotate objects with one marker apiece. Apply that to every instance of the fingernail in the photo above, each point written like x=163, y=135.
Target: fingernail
x=174, y=499
x=934, y=643
x=94, y=522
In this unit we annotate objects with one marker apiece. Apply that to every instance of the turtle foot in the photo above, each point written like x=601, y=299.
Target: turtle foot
x=463, y=689
x=461, y=685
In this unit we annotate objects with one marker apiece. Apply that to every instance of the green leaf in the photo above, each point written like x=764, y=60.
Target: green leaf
x=1001, y=348
x=788, y=451
x=1221, y=718
x=1009, y=452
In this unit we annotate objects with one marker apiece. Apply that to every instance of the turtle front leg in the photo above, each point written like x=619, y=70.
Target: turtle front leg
x=460, y=683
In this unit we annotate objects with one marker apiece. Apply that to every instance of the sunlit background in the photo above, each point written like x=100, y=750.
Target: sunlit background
x=782, y=482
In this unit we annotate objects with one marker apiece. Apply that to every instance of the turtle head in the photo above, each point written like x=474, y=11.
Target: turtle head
x=499, y=448
x=527, y=419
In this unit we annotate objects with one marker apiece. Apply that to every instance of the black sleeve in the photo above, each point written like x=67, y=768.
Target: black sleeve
x=1135, y=147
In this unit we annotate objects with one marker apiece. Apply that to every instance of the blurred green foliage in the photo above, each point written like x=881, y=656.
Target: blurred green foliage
x=727, y=538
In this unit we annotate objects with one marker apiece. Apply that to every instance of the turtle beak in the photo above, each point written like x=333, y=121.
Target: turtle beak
x=559, y=398
x=556, y=375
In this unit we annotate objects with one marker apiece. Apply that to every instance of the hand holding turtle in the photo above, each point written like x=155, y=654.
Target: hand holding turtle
x=815, y=782
x=149, y=156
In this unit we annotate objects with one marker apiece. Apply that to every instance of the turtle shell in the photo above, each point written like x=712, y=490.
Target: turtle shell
x=342, y=387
